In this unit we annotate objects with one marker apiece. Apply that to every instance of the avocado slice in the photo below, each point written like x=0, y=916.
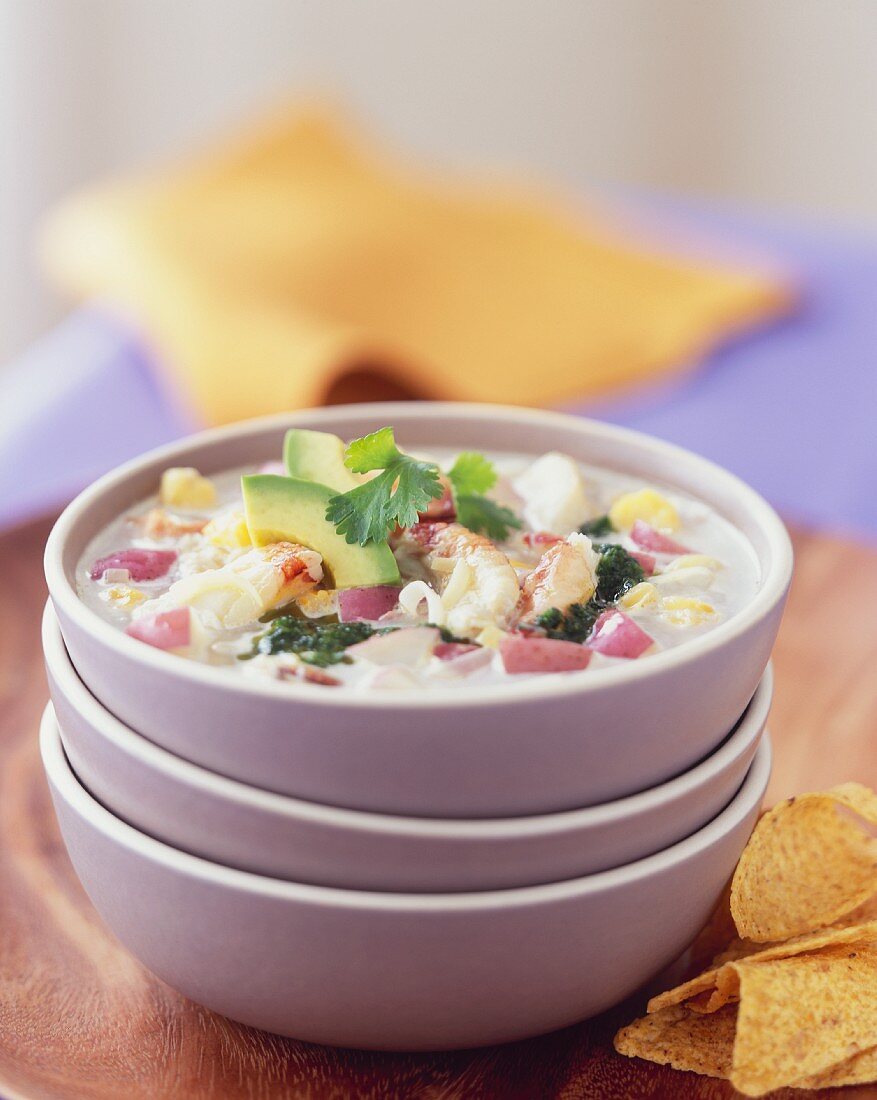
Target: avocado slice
x=293, y=510
x=319, y=457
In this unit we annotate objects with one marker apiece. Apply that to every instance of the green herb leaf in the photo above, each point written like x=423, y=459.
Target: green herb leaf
x=316, y=642
x=594, y=528
x=402, y=489
x=617, y=571
x=573, y=625
x=472, y=474
x=485, y=515
x=376, y=451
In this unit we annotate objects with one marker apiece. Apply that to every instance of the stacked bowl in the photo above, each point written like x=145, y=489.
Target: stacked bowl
x=402, y=873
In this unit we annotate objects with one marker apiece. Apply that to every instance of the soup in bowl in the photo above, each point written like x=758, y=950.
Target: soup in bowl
x=424, y=608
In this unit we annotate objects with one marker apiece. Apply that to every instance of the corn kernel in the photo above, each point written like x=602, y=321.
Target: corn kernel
x=123, y=595
x=229, y=531
x=686, y=611
x=184, y=487
x=641, y=595
x=686, y=561
x=646, y=504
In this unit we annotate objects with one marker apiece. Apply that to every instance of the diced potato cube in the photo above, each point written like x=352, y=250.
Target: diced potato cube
x=686, y=611
x=641, y=595
x=229, y=531
x=184, y=487
x=646, y=505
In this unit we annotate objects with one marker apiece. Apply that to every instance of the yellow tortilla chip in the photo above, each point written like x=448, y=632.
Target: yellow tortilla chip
x=791, y=1001
x=803, y=1015
x=720, y=984
x=809, y=861
x=807, y=1021
x=858, y=1070
x=678, y=1038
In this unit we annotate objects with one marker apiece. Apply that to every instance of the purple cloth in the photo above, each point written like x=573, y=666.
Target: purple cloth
x=789, y=408
x=83, y=399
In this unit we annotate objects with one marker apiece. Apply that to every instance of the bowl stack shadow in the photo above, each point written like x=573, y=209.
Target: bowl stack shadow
x=401, y=874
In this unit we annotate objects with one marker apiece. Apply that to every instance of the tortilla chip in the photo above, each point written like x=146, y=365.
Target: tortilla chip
x=861, y=1069
x=809, y=861
x=678, y=1038
x=720, y=984
x=802, y=1016
x=803, y=1020
x=791, y=1001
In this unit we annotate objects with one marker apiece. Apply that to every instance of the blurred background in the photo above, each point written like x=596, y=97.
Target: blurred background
x=737, y=133
x=762, y=103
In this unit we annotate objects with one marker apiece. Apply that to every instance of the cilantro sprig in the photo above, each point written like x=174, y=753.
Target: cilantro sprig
x=403, y=488
x=471, y=477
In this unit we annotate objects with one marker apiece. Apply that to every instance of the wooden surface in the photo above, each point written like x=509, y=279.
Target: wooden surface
x=80, y=1019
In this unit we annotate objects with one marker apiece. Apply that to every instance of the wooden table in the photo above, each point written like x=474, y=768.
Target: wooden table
x=79, y=1019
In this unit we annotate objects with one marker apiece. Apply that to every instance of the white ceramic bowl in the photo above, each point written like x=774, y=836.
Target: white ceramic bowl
x=531, y=746
x=396, y=971
x=270, y=834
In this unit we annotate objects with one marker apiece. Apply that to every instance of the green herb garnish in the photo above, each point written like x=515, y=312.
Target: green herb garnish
x=472, y=474
x=573, y=625
x=397, y=495
x=316, y=642
x=471, y=477
x=617, y=572
x=594, y=528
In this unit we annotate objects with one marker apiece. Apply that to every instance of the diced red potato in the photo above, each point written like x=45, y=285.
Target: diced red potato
x=468, y=660
x=617, y=635
x=449, y=651
x=165, y=630
x=646, y=561
x=142, y=565
x=408, y=647
x=648, y=538
x=524, y=653
x=367, y=603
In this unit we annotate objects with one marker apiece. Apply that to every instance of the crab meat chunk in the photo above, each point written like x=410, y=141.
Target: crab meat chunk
x=554, y=494
x=475, y=580
x=239, y=592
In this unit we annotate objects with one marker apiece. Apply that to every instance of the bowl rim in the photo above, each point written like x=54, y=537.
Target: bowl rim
x=773, y=587
x=249, y=797
x=62, y=778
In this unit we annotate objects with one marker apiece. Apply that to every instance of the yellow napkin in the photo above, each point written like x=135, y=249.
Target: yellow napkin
x=299, y=264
